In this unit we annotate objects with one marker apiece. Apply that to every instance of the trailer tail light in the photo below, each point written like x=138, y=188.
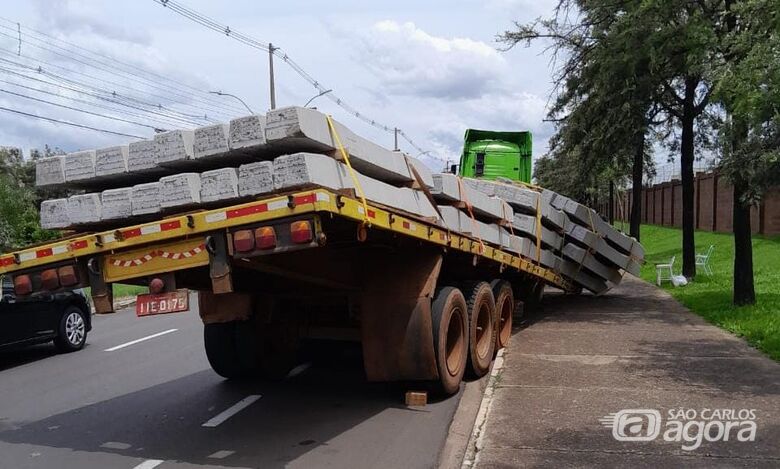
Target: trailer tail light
x=243, y=241
x=68, y=276
x=50, y=280
x=22, y=285
x=265, y=237
x=300, y=232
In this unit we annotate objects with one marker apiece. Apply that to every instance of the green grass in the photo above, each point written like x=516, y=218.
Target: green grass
x=123, y=291
x=710, y=297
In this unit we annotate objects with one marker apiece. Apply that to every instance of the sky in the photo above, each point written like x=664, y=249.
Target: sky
x=431, y=68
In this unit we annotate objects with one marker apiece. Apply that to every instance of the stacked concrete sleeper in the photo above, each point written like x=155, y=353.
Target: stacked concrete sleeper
x=294, y=148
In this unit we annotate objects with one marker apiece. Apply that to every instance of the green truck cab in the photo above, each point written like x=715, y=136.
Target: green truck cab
x=489, y=155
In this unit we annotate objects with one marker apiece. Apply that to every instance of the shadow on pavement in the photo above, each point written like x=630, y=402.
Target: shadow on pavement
x=165, y=421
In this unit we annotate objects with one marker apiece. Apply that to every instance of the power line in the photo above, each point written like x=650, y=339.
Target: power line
x=104, y=80
x=113, y=95
x=81, y=58
x=87, y=103
x=212, y=24
x=50, y=119
x=64, y=106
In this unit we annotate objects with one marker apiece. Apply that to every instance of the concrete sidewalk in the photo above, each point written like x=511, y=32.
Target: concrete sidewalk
x=584, y=358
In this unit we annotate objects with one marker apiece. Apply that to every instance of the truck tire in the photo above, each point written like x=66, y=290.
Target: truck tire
x=482, y=331
x=505, y=308
x=450, y=338
x=278, y=352
x=230, y=348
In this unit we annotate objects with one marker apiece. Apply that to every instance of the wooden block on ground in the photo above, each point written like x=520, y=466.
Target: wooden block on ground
x=416, y=398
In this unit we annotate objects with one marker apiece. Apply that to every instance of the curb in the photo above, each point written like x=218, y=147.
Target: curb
x=476, y=442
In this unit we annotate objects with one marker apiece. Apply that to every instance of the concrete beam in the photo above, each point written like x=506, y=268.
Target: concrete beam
x=174, y=147
x=219, y=184
x=117, y=203
x=255, y=178
x=80, y=166
x=583, y=278
x=446, y=188
x=180, y=190
x=84, y=209
x=211, y=141
x=50, y=171
x=303, y=129
x=581, y=256
x=54, y=214
x=141, y=156
x=521, y=199
x=301, y=170
x=146, y=198
x=111, y=161
x=525, y=225
x=247, y=133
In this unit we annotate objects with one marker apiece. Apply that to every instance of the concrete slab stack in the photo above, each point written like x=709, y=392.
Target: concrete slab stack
x=80, y=166
x=582, y=257
x=458, y=221
x=146, y=198
x=526, y=226
x=255, y=178
x=54, y=214
x=111, y=161
x=180, y=190
x=303, y=129
x=582, y=277
x=219, y=184
x=521, y=199
x=84, y=209
x=117, y=204
x=447, y=188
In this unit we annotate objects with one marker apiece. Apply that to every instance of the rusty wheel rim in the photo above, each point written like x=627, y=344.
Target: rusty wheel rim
x=455, y=343
x=484, y=333
x=505, y=323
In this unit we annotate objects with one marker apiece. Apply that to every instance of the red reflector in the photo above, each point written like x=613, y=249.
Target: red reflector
x=300, y=232
x=22, y=285
x=243, y=241
x=265, y=237
x=68, y=276
x=50, y=280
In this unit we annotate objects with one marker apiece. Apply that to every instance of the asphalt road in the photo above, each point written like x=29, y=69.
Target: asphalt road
x=144, y=405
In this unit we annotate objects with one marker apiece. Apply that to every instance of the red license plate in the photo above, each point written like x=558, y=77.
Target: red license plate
x=162, y=303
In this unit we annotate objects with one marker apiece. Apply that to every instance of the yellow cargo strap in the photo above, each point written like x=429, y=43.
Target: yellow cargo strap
x=345, y=157
x=539, y=229
x=465, y=198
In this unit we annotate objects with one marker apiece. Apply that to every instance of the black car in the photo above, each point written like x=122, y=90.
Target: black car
x=62, y=317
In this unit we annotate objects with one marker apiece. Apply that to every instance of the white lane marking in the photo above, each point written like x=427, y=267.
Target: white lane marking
x=221, y=454
x=149, y=464
x=298, y=370
x=116, y=445
x=133, y=342
x=236, y=408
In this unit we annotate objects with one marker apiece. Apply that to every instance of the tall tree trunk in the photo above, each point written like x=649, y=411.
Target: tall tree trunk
x=744, y=292
x=636, y=183
x=611, y=204
x=686, y=172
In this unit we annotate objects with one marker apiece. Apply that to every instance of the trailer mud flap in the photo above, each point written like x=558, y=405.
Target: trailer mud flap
x=395, y=315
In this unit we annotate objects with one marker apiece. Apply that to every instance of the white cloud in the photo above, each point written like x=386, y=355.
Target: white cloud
x=409, y=61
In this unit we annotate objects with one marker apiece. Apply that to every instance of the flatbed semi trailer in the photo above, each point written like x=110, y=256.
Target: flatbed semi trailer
x=426, y=303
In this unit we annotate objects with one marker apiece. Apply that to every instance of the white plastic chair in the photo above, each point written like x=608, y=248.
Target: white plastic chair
x=664, y=271
x=703, y=260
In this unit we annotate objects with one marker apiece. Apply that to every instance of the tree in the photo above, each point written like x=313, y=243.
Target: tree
x=748, y=88
x=603, y=99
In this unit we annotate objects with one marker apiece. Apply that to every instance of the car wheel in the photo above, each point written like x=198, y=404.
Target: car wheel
x=72, y=333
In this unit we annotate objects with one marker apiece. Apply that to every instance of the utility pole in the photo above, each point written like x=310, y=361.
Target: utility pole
x=271, y=50
x=395, y=132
